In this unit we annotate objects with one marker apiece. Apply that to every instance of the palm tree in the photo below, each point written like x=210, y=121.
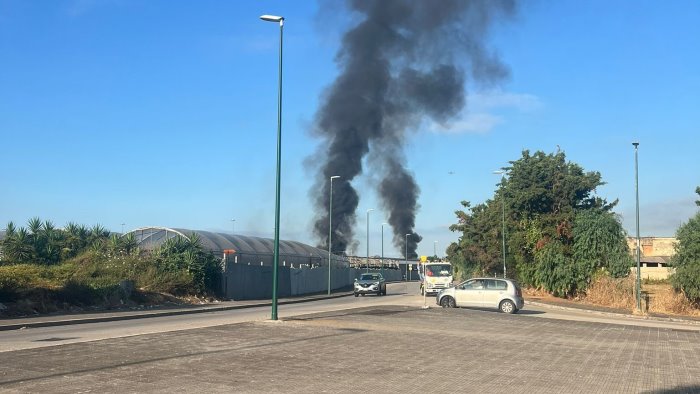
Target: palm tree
x=18, y=248
x=194, y=242
x=34, y=225
x=98, y=234
x=10, y=229
x=129, y=243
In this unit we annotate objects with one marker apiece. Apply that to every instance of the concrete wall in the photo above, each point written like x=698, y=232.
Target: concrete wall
x=254, y=282
x=652, y=272
x=653, y=246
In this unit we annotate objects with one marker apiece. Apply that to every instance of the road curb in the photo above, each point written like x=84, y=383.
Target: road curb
x=613, y=314
x=158, y=313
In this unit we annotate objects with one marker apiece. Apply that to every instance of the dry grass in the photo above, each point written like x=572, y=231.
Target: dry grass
x=611, y=292
x=533, y=292
x=663, y=299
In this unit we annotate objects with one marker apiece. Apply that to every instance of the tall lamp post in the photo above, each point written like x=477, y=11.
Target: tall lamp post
x=275, y=262
x=381, y=270
x=503, y=232
x=636, y=189
x=435, y=249
x=123, y=228
x=233, y=226
x=330, y=230
x=406, y=256
x=367, y=261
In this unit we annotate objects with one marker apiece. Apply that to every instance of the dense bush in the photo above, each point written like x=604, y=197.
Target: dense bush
x=555, y=270
x=687, y=260
x=91, y=267
x=558, y=232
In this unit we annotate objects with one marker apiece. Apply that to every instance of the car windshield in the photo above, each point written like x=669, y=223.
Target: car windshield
x=438, y=270
x=369, y=277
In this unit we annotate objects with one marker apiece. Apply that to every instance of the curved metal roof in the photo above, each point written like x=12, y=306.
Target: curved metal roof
x=217, y=242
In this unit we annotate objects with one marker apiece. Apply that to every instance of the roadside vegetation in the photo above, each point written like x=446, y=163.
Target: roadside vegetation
x=45, y=269
x=561, y=238
x=686, y=261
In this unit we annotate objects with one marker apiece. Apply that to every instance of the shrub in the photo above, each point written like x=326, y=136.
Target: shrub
x=555, y=271
x=687, y=260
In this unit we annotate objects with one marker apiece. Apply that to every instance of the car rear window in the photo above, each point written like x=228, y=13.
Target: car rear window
x=495, y=284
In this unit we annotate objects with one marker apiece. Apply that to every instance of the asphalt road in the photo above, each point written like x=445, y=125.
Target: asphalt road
x=381, y=344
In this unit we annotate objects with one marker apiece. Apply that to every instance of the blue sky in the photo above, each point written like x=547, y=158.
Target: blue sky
x=161, y=113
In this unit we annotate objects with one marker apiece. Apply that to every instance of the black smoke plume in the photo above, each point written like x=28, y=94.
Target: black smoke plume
x=403, y=61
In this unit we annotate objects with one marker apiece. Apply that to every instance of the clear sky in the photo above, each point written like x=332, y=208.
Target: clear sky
x=162, y=113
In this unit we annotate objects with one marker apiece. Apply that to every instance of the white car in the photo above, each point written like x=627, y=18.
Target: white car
x=503, y=294
x=370, y=283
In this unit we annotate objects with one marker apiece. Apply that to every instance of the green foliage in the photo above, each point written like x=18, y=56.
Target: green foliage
x=85, y=266
x=555, y=270
x=187, y=254
x=480, y=243
x=558, y=232
x=42, y=243
x=599, y=242
x=687, y=260
x=14, y=279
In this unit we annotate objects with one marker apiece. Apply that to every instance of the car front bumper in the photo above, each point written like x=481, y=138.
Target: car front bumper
x=367, y=290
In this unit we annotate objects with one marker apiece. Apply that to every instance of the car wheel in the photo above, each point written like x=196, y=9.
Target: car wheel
x=447, y=302
x=356, y=294
x=507, y=306
x=363, y=294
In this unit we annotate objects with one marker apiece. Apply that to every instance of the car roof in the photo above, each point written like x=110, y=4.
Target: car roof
x=483, y=278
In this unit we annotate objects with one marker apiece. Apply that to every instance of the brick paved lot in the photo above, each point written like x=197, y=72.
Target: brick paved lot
x=381, y=349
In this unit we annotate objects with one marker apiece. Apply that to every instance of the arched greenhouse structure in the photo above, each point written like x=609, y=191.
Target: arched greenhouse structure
x=242, y=249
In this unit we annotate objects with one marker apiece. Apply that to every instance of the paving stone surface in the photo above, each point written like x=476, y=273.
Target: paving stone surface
x=378, y=349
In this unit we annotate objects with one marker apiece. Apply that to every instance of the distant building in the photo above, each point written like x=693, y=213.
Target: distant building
x=655, y=256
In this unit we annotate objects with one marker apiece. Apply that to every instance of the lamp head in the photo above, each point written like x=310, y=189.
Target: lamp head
x=272, y=18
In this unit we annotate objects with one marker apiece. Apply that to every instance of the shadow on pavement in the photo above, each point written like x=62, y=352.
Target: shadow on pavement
x=520, y=312
x=676, y=390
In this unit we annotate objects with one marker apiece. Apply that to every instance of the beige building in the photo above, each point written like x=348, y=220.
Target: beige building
x=655, y=257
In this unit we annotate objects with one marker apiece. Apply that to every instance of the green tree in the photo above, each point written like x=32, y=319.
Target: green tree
x=543, y=194
x=556, y=271
x=42, y=243
x=479, y=248
x=599, y=242
x=687, y=260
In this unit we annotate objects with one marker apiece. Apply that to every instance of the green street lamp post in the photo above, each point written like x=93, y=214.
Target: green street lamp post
x=275, y=262
x=381, y=270
x=636, y=189
x=367, y=262
x=503, y=232
x=330, y=230
x=406, y=256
